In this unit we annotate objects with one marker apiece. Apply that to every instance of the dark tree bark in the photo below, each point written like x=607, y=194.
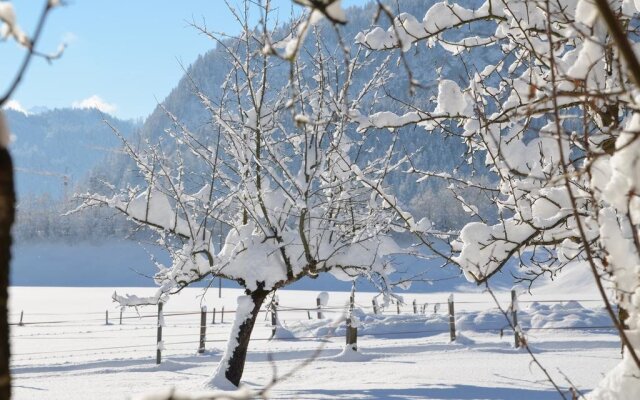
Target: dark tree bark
x=239, y=356
x=7, y=215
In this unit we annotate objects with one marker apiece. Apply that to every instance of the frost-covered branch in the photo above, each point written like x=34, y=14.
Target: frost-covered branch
x=547, y=95
x=10, y=28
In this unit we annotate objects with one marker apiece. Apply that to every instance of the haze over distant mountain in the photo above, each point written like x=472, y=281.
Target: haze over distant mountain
x=55, y=149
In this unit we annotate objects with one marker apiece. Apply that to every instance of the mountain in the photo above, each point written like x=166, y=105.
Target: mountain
x=431, y=152
x=55, y=149
x=53, y=152
x=72, y=142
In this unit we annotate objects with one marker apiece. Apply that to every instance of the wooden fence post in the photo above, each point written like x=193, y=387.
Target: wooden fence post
x=159, y=343
x=452, y=319
x=106, y=317
x=514, y=316
x=415, y=306
x=375, y=305
x=21, y=316
x=319, y=304
x=309, y=314
x=352, y=298
x=398, y=306
x=121, y=310
x=203, y=329
x=213, y=317
x=222, y=315
x=274, y=317
x=352, y=331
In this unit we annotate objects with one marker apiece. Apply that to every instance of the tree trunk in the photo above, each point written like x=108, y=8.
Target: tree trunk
x=239, y=356
x=232, y=365
x=7, y=215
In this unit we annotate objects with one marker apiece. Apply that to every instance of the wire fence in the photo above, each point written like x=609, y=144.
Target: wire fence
x=48, y=339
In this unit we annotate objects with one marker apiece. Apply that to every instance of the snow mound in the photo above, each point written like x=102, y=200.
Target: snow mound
x=282, y=332
x=236, y=393
x=462, y=340
x=381, y=326
x=566, y=315
x=492, y=319
x=348, y=354
x=323, y=297
x=621, y=383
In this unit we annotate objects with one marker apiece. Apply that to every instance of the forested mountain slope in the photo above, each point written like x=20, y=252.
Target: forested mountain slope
x=428, y=152
x=49, y=146
x=53, y=151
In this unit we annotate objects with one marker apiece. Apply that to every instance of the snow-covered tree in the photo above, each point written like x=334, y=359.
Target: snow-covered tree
x=273, y=197
x=7, y=216
x=10, y=28
x=554, y=114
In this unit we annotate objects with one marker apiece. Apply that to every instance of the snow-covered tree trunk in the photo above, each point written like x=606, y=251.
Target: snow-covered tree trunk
x=7, y=216
x=9, y=28
x=231, y=366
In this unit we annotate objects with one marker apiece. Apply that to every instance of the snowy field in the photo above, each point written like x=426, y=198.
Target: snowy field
x=65, y=350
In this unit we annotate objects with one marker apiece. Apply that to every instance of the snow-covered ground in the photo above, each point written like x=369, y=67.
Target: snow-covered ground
x=66, y=351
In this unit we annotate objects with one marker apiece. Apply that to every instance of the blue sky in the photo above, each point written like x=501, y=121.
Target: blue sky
x=125, y=54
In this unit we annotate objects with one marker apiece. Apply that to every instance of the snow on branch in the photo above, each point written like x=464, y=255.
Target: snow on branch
x=546, y=94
